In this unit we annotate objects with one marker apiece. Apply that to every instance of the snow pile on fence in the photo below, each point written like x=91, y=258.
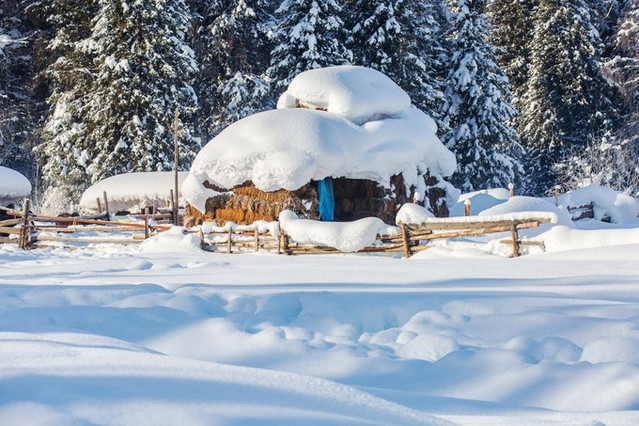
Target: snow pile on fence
x=133, y=191
x=362, y=136
x=526, y=205
x=175, y=240
x=343, y=236
x=13, y=186
x=413, y=213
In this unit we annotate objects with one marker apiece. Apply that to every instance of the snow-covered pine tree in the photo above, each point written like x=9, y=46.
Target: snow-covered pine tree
x=307, y=34
x=477, y=107
x=510, y=31
x=404, y=40
x=69, y=77
x=234, y=55
x=143, y=72
x=567, y=100
x=16, y=72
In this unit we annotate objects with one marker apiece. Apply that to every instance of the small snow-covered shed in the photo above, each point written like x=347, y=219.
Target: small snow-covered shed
x=14, y=186
x=133, y=192
x=344, y=143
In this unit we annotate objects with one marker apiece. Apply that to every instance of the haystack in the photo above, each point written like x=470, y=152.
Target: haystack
x=349, y=129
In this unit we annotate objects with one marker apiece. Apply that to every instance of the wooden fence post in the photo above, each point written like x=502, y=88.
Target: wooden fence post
x=279, y=240
x=405, y=240
x=515, y=237
x=97, y=200
x=173, y=215
x=257, y=240
x=146, y=224
x=556, y=194
x=230, y=242
x=467, y=207
x=24, y=233
x=106, y=205
x=511, y=190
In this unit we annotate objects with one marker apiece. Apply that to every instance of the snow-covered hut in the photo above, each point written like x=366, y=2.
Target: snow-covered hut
x=14, y=186
x=344, y=143
x=133, y=192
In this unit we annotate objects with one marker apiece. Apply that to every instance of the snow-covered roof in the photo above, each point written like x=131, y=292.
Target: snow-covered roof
x=13, y=186
x=132, y=191
x=286, y=148
x=356, y=93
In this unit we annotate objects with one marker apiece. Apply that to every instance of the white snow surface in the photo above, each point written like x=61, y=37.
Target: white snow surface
x=459, y=333
x=344, y=236
x=357, y=93
x=287, y=148
x=174, y=240
x=619, y=207
x=133, y=191
x=13, y=186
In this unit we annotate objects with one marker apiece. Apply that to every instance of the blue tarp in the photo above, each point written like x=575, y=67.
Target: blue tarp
x=326, y=199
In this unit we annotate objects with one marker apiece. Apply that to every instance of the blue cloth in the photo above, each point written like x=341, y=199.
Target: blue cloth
x=326, y=199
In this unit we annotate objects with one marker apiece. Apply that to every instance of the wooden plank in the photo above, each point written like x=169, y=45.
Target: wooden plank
x=94, y=222
x=9, y=222
x=7, y=240
x=75, y=229
x=451, y=226
x=88, y=239
x=7, y=230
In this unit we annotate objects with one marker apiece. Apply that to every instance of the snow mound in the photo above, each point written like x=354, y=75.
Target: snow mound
x=521, y=204
x=133, y=191
x=356, y=93
x=498, y=193
x=172, y=241
x=478, y=203
x=606, y=202
x=413, y=213
x=13, y=186
x=625, y=209
x=285, y=149
x=343, y=236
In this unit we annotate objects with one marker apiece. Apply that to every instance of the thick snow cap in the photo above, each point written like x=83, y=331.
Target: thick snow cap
x=13, y=186
x=133, y=191
x=356, y=93
x=286, y=148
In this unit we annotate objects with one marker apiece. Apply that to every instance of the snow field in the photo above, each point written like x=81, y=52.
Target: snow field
x=120, y=338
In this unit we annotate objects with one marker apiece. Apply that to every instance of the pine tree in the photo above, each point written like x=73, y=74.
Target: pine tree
x=510, y=31
x=139, y=78
x=234, y=60
x=69, y=77
x=568, y=100
x=477, y=106
x=308, y=34
x=21, y=101
x=404, y=40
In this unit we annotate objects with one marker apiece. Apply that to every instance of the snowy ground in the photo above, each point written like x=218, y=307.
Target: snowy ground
x=457, y=334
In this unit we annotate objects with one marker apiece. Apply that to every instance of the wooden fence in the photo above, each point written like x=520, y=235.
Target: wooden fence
x=33, y=231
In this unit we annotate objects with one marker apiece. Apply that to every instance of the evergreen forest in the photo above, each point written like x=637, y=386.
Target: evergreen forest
x=540, y=93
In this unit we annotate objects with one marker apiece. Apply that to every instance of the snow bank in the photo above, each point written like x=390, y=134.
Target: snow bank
x=369, y=131
x=562, y=238
x=478, y=203
x=356, y=93
x=606, y=202
x=132, y=191
x=344, y=236
x=175, y=240
x=13, y=186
